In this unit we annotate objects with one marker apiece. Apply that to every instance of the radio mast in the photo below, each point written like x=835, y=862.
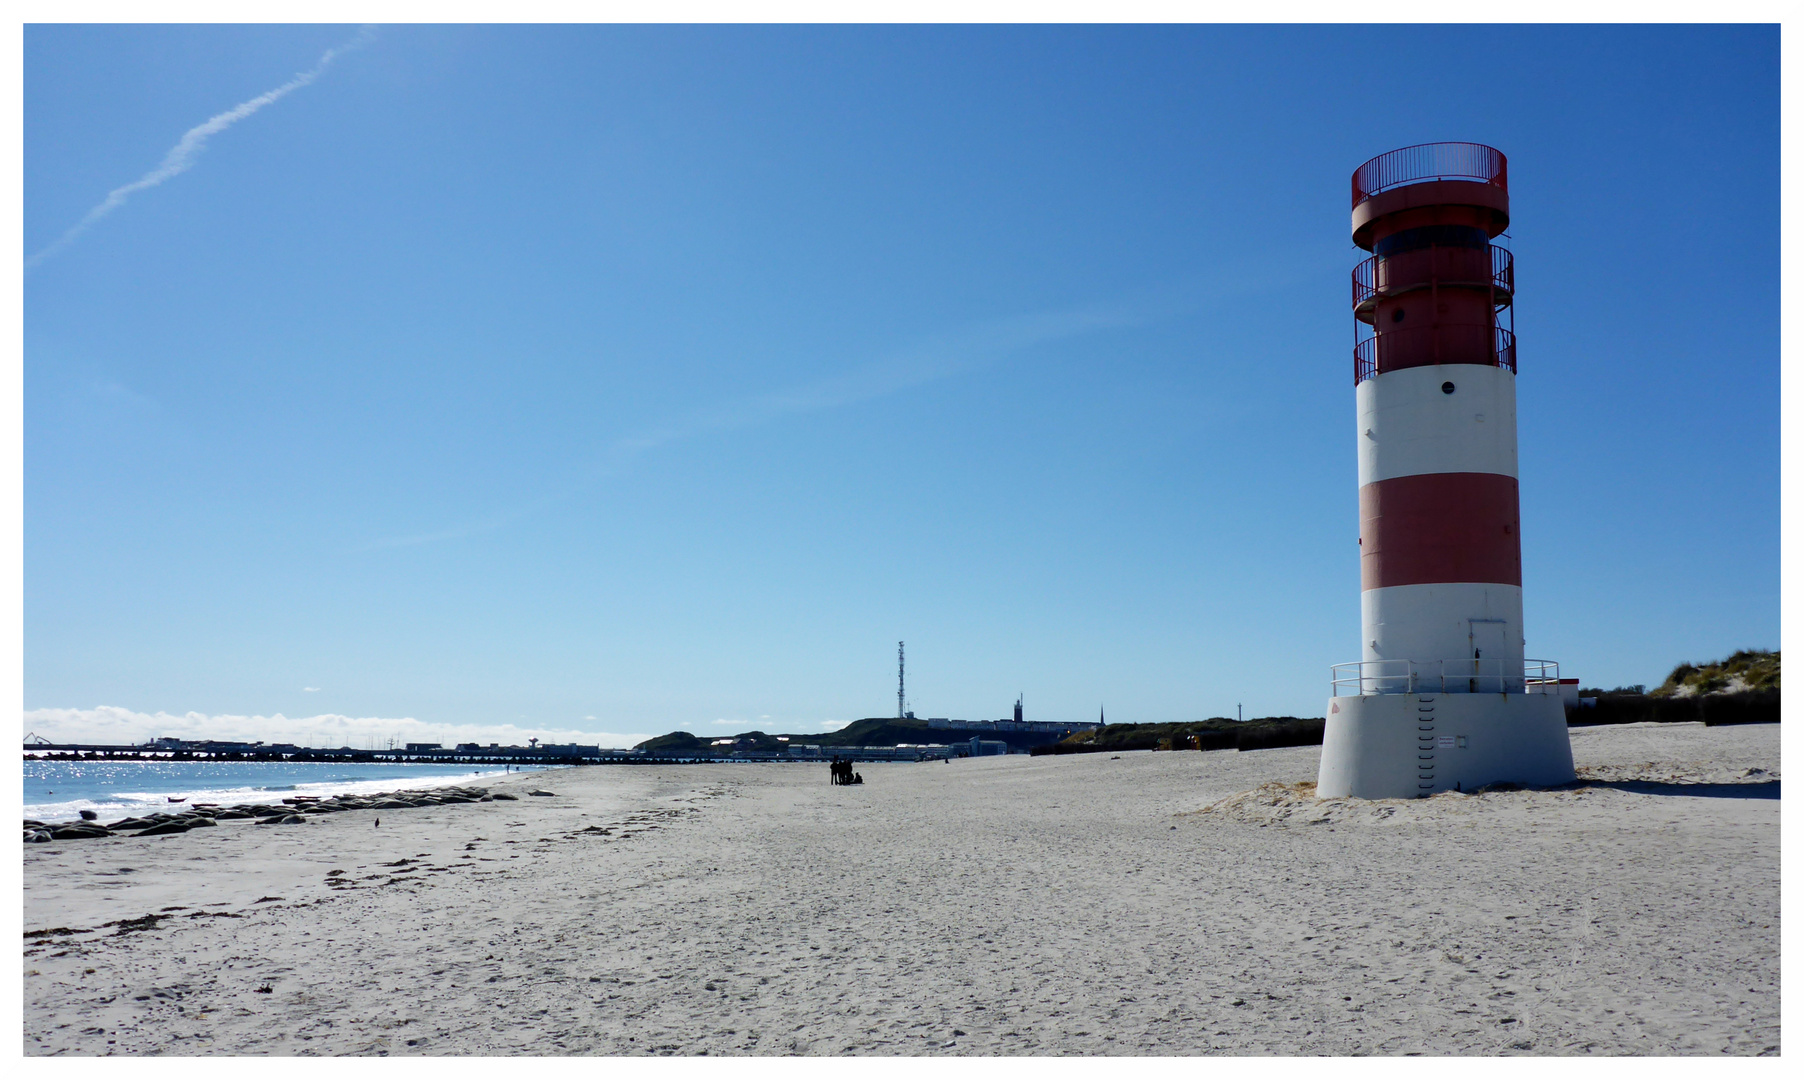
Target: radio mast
x=901, y=685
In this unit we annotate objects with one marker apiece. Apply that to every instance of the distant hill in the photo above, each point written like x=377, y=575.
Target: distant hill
x=889, y=731
x=1742, y=689
x=871, y=731
x=1215, y=733
x=876, y=731
x=1748, y=669
x=683, y=742
x=674, y=743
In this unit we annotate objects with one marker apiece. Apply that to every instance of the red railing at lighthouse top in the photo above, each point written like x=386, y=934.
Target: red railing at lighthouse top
x=1369, y=284
x=1409, y=347
x=1430, y=161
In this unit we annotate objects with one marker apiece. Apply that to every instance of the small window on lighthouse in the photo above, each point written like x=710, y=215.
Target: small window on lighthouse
x=1397, y=315
x=1446, y=388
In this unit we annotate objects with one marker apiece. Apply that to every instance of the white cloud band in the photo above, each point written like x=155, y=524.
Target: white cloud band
x=114, y=726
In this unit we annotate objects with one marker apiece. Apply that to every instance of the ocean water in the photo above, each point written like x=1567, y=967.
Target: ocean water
x=60, y=790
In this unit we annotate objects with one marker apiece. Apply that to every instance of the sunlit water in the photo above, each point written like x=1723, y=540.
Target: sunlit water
x=60, y=790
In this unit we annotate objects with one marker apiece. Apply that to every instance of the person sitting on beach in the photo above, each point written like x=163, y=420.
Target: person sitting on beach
x=857, y=778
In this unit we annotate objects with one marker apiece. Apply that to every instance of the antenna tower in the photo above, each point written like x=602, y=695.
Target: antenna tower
x=901, y=685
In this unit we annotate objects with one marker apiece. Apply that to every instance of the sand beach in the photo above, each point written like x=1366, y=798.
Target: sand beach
x=1146, y=903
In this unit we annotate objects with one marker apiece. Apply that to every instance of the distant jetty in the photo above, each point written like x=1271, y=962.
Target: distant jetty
x=694, y=752
x=40, y=749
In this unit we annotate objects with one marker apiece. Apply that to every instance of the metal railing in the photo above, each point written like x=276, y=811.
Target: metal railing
x=1359, y=678
x=1430, y=161
x=1462, y=675
x=1384, y=351
x=1377, y=277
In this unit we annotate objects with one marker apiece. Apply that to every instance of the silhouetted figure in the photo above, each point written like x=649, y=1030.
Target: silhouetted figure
x=378, y=823
x=858, y=778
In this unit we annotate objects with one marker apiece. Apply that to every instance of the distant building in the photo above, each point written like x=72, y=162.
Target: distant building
x=423, y=747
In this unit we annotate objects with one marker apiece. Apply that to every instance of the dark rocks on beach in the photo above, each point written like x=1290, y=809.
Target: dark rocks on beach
x=143, y=922
x=294, y=810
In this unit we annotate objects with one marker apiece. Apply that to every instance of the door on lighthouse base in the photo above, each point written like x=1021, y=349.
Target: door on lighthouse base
x=1488, y=651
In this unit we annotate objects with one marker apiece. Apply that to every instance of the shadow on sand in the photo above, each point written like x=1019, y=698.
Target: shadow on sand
x=1763, y=789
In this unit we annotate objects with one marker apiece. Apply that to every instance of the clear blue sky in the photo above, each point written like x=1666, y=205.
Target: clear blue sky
x=620, y=379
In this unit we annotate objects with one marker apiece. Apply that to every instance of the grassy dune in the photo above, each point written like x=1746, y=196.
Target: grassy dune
x=1742, y=689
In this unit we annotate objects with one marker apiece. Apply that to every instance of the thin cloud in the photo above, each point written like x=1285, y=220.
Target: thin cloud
x=937, y=359
x=315, y=690
x=181, y=157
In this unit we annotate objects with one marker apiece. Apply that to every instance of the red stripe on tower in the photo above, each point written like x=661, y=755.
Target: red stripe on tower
x=1434, y=528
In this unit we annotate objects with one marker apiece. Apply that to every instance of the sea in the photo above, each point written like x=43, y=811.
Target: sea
x=60, y=790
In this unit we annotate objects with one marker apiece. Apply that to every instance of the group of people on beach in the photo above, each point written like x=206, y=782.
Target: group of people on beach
x=843, y=774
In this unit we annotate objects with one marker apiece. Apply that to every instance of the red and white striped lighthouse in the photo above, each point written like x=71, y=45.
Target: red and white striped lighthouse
x=1443, y=697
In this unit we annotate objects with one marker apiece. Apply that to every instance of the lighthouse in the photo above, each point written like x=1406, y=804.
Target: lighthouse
x=1443, y=697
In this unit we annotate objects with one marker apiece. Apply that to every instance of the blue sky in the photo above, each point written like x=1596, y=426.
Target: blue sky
x=614, y=380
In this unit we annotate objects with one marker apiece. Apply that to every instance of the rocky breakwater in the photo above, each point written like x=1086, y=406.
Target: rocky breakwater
x=291, y=811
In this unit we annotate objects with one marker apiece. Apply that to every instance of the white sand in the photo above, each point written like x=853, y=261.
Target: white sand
x=996, y=906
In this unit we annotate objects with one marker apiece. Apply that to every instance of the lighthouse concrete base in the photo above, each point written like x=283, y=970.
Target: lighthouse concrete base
x=1406, y=746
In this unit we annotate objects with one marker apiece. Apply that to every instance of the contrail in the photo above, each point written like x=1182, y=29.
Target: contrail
x=181, y=157
x=938, y=359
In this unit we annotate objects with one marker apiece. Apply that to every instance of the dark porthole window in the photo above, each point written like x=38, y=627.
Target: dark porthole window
x=1446, y=388
x=1397, y=316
